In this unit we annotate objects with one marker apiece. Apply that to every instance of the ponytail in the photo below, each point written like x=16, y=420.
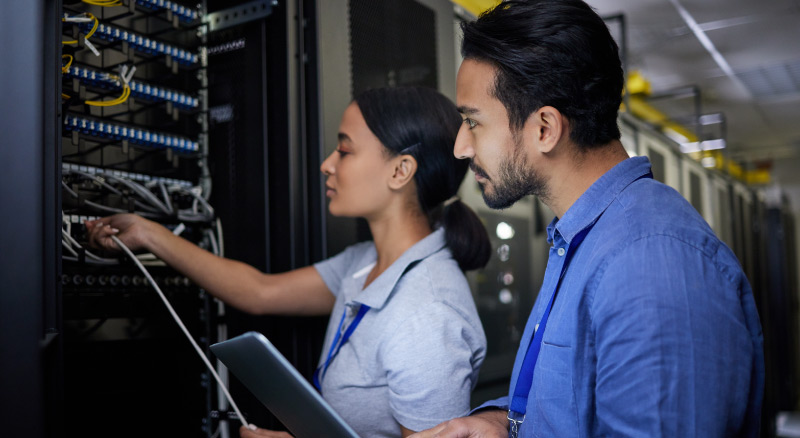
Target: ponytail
x=465, y=236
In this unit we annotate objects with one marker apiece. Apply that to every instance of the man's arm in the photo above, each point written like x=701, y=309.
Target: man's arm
x=674, y=355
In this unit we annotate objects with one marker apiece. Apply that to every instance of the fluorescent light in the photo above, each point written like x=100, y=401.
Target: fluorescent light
x=710, y=145
x=706, y=42
x=690, y=147
x=705, y=145
x=675, y=135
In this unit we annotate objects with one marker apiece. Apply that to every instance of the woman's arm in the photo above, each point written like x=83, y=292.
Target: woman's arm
x=298, y=292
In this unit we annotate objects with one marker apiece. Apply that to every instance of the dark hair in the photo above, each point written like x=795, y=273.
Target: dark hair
x=420, y=122
x=555, y=53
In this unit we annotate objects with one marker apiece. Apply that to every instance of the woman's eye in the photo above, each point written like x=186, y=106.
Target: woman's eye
x=341, y=152
x=471, y=123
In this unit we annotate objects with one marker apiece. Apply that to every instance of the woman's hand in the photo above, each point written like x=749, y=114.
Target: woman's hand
x=244, y=432
x=134, y=231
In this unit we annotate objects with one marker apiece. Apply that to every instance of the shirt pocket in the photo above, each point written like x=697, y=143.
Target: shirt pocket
x=555, y=409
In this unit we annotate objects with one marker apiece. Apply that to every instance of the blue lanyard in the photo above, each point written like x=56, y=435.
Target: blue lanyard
x=320, y=372
x=519, y=401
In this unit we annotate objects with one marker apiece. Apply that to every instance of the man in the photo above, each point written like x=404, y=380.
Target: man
x=645, y=325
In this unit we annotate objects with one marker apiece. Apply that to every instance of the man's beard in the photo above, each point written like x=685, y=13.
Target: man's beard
x=514, y=181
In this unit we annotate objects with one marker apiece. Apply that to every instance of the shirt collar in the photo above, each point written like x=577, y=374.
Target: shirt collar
x=377, y=293
x=594, y=201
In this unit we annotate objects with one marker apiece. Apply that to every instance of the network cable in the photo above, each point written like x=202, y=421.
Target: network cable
x=65, y=68
x=88, y=17
x=104, y=3
x=147, y=204
x=184, y=329
x=139, y=89
x=138, y=177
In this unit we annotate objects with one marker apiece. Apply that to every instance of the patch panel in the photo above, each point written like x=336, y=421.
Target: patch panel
x=114, y=131
x=113, y=280
x=69, y=167
x=139, y=89
x=183, y=13
x=142, y=43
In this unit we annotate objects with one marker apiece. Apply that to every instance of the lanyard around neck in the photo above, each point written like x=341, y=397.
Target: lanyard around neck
x=519, y=400
x=336, y=345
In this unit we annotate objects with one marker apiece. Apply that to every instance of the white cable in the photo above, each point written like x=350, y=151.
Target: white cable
x=220, y=242
x=68, y=247
x=213, y=241
x=88, y=253
x=185, y=331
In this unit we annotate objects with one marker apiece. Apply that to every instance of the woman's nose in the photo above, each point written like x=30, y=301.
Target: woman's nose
x=327, y=166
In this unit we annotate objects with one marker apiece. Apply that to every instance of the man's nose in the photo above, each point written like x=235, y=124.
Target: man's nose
x=463, y=146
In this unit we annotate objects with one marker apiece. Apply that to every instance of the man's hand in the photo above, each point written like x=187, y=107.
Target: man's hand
x=490, y=423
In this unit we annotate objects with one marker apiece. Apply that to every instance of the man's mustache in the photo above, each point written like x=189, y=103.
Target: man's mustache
x=478, y=170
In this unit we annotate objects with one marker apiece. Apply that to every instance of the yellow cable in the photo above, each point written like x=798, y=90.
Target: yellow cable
x=126, y=92
x=65, y=68
x=91, y=32
x=65, y=96
x=104, y=3
x=94, y=28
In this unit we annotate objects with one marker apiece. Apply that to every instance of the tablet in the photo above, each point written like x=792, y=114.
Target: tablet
x=280, y=387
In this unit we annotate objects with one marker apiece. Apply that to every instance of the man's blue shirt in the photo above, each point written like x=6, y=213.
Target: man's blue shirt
x=654, y=330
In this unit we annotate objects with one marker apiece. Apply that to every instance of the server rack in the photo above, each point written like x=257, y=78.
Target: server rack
x=92, y=349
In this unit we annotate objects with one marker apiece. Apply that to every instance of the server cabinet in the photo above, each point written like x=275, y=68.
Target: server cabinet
x=30, y=340
x=88, y=347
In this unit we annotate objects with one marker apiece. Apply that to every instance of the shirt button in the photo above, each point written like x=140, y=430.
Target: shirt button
x=561, y=252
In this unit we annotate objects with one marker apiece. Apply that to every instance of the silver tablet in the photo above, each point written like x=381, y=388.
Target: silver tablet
x=278, y=385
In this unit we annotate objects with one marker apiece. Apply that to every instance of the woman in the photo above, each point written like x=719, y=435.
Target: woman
x=415, y=356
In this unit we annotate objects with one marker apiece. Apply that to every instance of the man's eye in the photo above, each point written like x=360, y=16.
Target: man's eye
x=471, y=123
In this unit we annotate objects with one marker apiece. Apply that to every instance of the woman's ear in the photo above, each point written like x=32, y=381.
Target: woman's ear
x=405, y=167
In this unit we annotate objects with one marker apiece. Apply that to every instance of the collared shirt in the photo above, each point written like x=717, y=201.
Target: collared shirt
x=654, y=330
x=414, y=358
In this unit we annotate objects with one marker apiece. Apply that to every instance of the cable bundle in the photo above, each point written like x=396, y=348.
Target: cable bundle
x=153, y=199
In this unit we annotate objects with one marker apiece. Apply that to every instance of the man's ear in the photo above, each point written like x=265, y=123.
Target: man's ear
x=405, y=167
x=545, y=129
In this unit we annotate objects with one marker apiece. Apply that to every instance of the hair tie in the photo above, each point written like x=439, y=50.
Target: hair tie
x=452, y=200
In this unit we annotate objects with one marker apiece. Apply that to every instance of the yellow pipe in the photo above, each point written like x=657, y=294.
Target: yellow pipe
x=643, y=110
x=638, y=86
x=476, y=7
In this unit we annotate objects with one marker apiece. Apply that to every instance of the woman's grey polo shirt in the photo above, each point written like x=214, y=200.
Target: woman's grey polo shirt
x=414, y=358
